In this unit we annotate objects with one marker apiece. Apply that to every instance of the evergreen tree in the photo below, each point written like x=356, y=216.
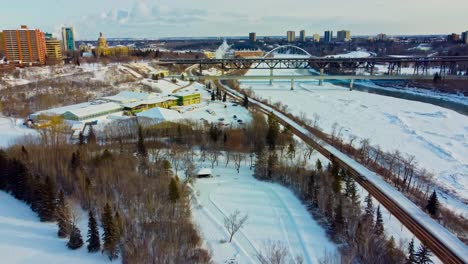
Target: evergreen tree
x=24, y=153
x=423, y=256
x=311, y=186
x=75, y=240
x=18, y=180
x=272, y=164
x=174, y=193
x=245, y=103
x=353, y=194
x=378, y=227
x=272, y=133
x=213, y=96
x=433, y=204
x=63, y=216
x=91, y=136
x=110, y=245
x=47, y=208
x=167, y=167
x=118, y=224
x=81, y=139
x=291, y=151
x=369, y=211
x=141, y=148
x=94, y=243
x=318, y=165
x=391, y=248
x=336, y=185
x=224, y=97
x=75, y=162
x=338, y=221
x=4, y=167
x=411, y=259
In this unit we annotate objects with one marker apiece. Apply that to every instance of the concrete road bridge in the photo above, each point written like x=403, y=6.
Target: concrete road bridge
x=293, y=57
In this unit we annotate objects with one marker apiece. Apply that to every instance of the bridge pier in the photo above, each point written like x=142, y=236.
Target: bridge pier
x=271, y=74
x=292, y=84
x=351, y=84
x=321, y=74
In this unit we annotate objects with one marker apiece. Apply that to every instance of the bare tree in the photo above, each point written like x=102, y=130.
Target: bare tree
x=234, y=222
x=238, y=157
x=276, y=253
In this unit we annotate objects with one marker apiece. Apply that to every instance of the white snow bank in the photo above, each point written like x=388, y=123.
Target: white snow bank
x=24, y=240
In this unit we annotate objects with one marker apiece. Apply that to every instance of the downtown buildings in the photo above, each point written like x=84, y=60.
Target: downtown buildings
x=28, y=47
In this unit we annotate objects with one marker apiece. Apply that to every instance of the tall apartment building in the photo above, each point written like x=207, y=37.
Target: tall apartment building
x=316, y=37
x=53, y=48
x=253, y=37
x=291, y=36
x=303, y=36
x=68, y=39
x=328, y=36
x=24, y=45
x=465, y=37
x=343, y=36
x=1, y=43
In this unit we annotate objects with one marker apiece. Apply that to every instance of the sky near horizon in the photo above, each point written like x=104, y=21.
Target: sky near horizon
x=195, y=18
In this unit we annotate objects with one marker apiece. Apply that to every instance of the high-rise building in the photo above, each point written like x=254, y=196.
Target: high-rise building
x=53, y=48
x=24, y=45
x=303, y=36
x=316, y=37
x=253, y=37
x=68, y=39
x=343, y=36
x=465, y=37
x=1, y=43
x=291, y=36
x=328, y=36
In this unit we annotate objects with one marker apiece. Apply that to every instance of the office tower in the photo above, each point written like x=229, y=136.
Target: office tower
x=68, y=39
x=303, y=36
x=328, y=36
x=253, y=37
x=465, y=37
x=343, y=35
x=291, y=36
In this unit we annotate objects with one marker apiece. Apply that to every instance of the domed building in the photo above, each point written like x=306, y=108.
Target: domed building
x=103, y=49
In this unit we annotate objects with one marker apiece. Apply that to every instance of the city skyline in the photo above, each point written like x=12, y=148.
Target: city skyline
x=209, y=18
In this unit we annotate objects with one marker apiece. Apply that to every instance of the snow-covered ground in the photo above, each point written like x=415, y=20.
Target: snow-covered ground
x=24, y=239
x=274, y=214
x=11, y=130
x=352, y=54
x=436, y=136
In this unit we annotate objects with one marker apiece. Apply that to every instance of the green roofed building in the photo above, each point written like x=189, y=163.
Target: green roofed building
x=188, y=98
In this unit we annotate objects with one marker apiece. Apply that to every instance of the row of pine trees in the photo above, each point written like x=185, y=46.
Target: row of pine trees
x=40, y=193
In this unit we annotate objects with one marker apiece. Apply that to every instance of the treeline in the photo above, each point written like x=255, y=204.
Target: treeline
x=143, y=209
x=331, y=195
x=400, y=170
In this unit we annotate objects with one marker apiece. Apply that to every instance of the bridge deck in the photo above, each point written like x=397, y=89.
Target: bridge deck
x=323, y=77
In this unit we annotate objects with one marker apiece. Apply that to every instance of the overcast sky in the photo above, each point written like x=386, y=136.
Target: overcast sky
x=188, y=18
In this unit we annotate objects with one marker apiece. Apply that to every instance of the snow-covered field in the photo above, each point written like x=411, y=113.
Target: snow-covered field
x=436, y=136
x=274, y=214
x=11, y=130
x=24, y=239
